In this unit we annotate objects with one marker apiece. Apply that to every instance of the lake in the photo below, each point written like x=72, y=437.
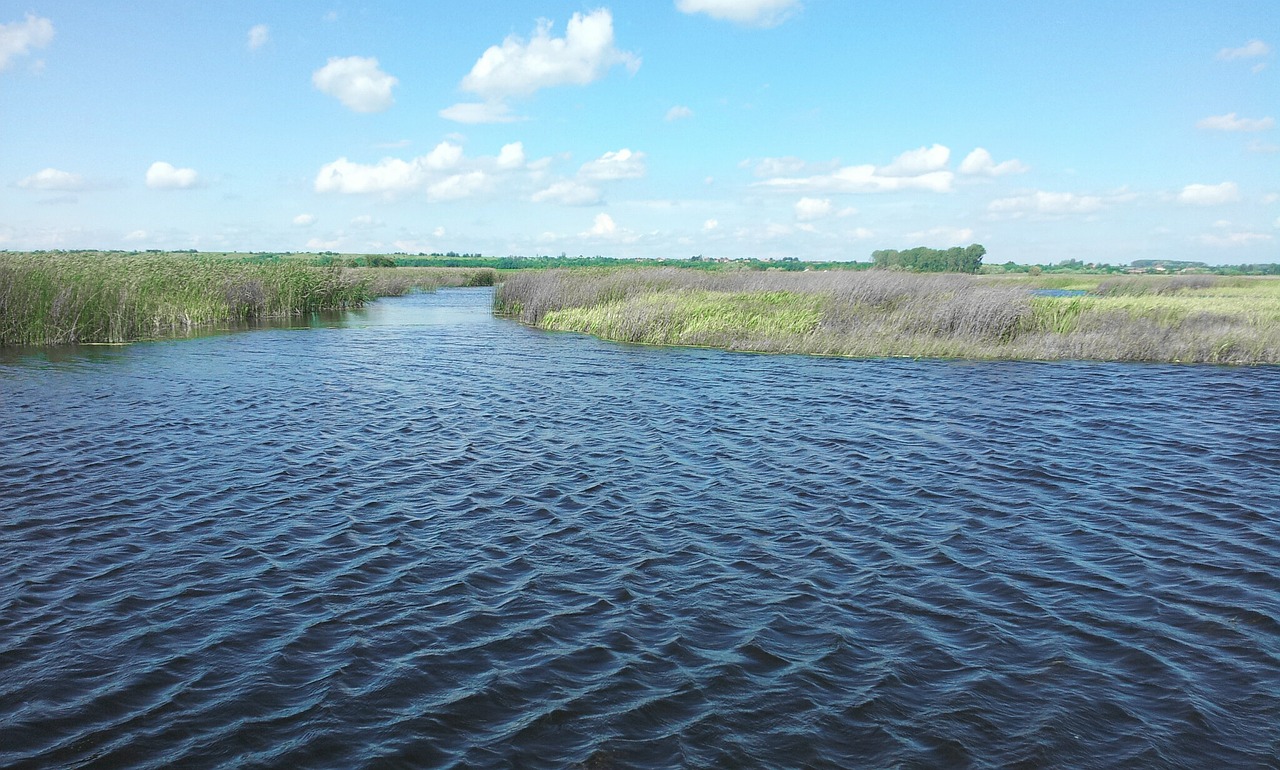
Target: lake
x=418, y=536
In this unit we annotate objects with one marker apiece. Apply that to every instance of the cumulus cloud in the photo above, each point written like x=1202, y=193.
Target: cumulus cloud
x=980, y=163
x=136, y=235
x=919, y=161
x=163, y=176
x=1230, y=122
x=479, y=112
x=603, y=226
x=754, y=13
x=569, y=192
x=304, y=220
x=19, y=37
x=389, y=175
x=812, y=209
x=511, y=156
x=444, y=173
x=709, y=225
x=623, y=164
x=1250, y=50
x=259, y=35
x=357, y=82
x=679, y=112
x=521, y=67
x=1209, y=194
x=53, y=180
x=457, y=186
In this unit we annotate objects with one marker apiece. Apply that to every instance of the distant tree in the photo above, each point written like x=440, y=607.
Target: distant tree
x=926, y=260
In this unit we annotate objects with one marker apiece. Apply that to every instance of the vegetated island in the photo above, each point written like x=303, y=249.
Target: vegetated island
x=883, y=313
x=891, y=306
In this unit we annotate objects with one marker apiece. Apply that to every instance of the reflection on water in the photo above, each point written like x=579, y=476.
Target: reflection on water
x=419, y=536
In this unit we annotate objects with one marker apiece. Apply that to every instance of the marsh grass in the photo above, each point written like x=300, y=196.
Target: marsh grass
x=398, y=281
x=60, y=298
x=882, y=313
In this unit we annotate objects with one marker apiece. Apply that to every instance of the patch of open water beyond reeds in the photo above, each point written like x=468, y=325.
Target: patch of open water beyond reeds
x=422, y=537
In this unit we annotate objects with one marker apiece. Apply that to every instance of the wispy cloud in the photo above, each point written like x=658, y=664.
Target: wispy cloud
x=20, y=37
x=259, y=35
x=1230, y=122
x=753, y=13
x=1209, y=194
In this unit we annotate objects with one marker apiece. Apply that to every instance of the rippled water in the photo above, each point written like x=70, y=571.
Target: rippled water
x=423, y=537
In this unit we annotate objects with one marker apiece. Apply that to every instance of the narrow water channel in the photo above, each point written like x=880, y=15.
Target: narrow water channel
x=419, y=536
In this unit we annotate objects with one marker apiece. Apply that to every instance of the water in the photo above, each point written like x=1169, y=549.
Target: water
x=417, y=536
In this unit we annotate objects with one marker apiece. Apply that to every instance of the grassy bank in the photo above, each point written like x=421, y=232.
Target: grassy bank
x=51, y=299
x=882, y=313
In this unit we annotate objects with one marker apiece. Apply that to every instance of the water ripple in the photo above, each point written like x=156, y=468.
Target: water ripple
x=448, y=541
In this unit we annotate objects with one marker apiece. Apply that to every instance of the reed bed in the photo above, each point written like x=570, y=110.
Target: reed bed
x=398, y=281
x=883, y=313
x=59, y=298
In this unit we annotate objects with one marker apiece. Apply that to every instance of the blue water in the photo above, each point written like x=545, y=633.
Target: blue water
x=419, y=536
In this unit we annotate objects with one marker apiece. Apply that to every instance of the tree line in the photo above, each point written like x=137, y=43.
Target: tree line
x=922, y=259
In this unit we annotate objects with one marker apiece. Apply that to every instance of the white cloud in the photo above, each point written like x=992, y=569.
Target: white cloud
x=942, y=236
x=444, y=173
x=568, y=192
x=1230, y=122
x=1264, y=147
x=357, y=82
x=812, y=209
x=445, y=155
x=136, y=235
x=1235, y=239
x=53, y=180
x=19, y=37
x=709, y=225
x=163, y=176
x=679, y=112
x=259, y=35
x=511, y=156
x=457, y=186
x=980, y=163
x=862, y=179
x=304, y=220
x=603, y=226
x=479, y=112
x=1050, y=203
x=1250, y=50
x=919, y=169
x=771, y=167
x=365, y=221
x=623, y=164
x=389, y=175
x=520, y=68
x=755, y=13
x=919, y=161
x=1209, y=194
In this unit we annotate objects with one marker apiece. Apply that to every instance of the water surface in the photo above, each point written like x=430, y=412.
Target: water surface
x=418, y=536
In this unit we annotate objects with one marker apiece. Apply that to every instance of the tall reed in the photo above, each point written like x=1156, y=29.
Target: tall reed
x=884, y=313
x=60, y=298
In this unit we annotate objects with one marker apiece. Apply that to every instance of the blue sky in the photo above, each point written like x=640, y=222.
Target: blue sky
x=1103, y=131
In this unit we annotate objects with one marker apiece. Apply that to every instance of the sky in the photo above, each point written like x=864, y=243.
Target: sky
x=1045, y=130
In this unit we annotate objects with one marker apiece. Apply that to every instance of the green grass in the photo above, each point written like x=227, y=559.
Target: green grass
x=883, y=313
x=52, y=299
